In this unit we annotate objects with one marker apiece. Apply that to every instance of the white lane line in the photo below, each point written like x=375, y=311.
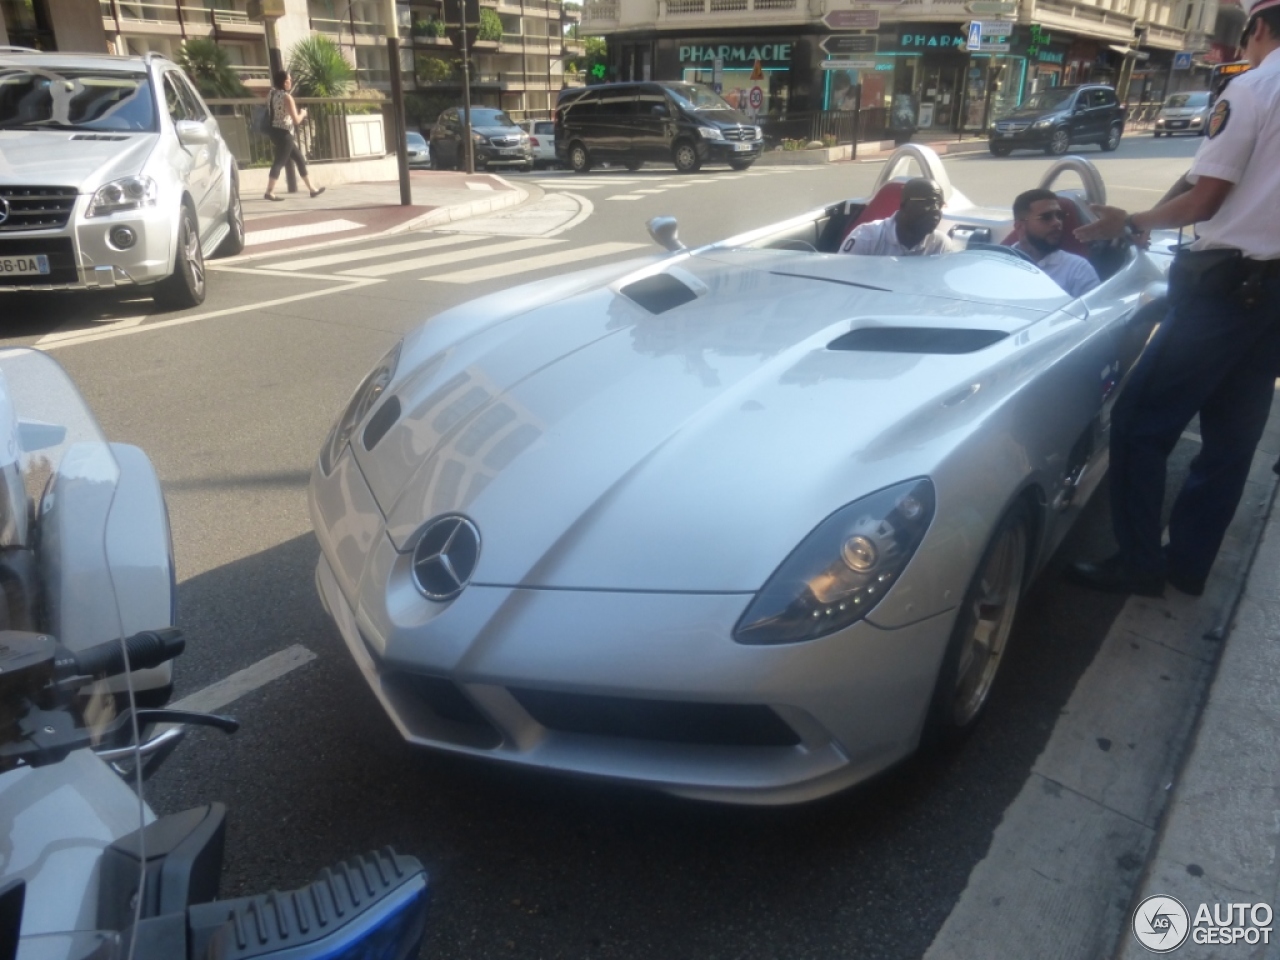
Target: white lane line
x=556, y=259
x=654, y=190
x=471, y=185
x=344, y=284
x=585, y=209
x=626, y=196
x=122, y=324
x=439, y=259
x=254, y=237
x=218, y=695
x=370, y=254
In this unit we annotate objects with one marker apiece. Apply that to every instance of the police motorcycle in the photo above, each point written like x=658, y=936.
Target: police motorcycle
x=87, y=870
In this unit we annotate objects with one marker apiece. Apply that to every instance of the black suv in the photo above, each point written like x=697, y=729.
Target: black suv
x=498, y=141
x=1052, y=120
x=681, y=123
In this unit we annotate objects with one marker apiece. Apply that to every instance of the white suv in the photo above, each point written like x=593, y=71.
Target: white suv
x=114, y=173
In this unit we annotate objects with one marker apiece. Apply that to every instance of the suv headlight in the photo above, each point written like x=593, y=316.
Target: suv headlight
x=131, y=193
x=1046, y=122
x=711, y=133
x=842, y=569
x=479, y=138
x=366, y=395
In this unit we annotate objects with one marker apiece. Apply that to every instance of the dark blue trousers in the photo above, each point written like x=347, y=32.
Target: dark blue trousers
x=1211, y=356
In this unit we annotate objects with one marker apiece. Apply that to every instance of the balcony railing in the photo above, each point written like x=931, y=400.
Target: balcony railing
x=247, y=72
x=684, y=8
x=364, y=28
x=237, y=17
x=600, y=11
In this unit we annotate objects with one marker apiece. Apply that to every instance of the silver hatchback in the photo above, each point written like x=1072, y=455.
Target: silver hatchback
x=1184, y=113
x=115, y=174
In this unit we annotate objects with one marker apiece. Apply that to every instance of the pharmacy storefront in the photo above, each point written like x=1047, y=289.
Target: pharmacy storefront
x=753, y=74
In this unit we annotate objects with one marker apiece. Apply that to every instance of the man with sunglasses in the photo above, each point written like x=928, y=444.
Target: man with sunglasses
x=911, y=232
x=1040, y=223
x=1217, y=352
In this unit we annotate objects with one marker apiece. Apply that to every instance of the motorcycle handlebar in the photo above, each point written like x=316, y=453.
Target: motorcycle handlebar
x=150, y=648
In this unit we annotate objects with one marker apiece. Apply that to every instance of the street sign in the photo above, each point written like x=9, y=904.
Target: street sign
x=996, y=28
x=1182, y=60
x=992, y=8
x=848, y=64
x=756, y=99
x=993, y=47
x=839, y=44
x=975, y=36
x=852, y=20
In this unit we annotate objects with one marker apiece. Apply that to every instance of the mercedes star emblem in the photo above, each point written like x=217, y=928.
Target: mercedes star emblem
x=4, y=209
x=445, y=557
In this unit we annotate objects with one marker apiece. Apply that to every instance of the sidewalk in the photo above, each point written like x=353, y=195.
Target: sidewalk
x=354, y=211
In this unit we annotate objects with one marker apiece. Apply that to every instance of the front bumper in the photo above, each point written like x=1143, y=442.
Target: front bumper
x=82, y=255
x=724, y=151
x=1029, y=137
x=648, y=689
x=493, y=156
x=1179, y=124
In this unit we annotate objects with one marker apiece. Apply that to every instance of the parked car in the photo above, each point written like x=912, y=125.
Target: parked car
x=630, y=123
x=747, y=522
x=114, y=174
x=1054, y=119
x=419, y=152
x=497, y=140
x=542, y=138
x=1184, y=113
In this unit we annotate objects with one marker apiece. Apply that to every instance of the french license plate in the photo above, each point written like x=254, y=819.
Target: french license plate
x=511, y=151
x=741, y=147
x=34, y=265
x=1006, y=133
x=1178, y=123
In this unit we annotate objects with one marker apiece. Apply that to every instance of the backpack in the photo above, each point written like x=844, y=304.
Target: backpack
x=262, y=117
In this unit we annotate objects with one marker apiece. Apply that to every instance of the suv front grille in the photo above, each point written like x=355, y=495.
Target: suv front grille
x=37, y=208
x=1011, y=127
x=505, y=141
x=739, y=133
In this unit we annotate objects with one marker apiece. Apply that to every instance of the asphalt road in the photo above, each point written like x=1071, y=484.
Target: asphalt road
x=232, y=402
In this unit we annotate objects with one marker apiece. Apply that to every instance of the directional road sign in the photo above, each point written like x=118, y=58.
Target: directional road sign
x=841, y=44
x=996, y=28
x=991, y=8
x=848, y=64
x=852, y=20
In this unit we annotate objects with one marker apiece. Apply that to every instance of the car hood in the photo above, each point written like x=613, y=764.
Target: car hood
x=1178, y=113
x=621, y=436
x=1032, y=114
x=58, y=158
x=497, y=131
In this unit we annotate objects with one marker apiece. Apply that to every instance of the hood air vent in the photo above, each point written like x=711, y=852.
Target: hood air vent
x=99, y=136
x=939, y=340
x=659, y=293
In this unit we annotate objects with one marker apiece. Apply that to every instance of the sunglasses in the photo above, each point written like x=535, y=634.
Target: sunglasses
x=1248, y=31
x=1049, y=215
x=925, y=202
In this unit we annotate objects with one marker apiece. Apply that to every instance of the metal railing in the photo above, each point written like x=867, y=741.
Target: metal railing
x=1141, y=116
x=251, y=72
x=836, y=127
x=335, y=130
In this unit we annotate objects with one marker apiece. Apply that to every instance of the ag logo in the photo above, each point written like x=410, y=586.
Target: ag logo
x=1218, y=119
x=1161, y=924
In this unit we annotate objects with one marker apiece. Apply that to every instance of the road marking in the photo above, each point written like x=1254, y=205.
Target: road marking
x=343, y=284
x=585, y=209
x=122, y=324
x=575, y=255
x=440, y=259
x=471, y=185
x=226, y=691
x=255, y=237
x=371, y=253
x=626, y=196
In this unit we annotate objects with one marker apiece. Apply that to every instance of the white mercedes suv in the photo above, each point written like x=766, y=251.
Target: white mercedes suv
x=112, y=173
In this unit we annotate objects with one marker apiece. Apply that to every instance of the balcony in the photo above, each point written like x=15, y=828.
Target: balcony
x=1162, y=38
x=235, y=23
x=1083, y=19
x=596, y=13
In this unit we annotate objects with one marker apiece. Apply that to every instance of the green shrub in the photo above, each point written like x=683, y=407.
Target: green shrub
x=209, y=68
x=433, y=69
x=319, y=69
x=490, y=25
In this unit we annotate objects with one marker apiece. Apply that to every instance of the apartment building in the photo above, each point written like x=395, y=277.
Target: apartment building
x=521, y=70
x=767, y=55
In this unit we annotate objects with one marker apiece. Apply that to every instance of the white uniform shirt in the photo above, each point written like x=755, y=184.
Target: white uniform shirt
x=1243, y=146
x=1073, y=273
x=879, y=238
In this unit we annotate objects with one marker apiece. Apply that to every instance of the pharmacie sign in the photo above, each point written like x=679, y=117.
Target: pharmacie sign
x=737, y=54
x=930, y=40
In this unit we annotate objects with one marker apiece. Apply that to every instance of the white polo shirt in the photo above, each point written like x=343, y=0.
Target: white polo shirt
x=1072, y=272
x=1243, y=147
x=879, y=238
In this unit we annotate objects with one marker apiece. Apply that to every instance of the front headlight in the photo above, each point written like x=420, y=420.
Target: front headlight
x=1047, y=122
x=478, y=138
x=366, y=395
x=842, y=569
x=131, y=193
x=711, y=133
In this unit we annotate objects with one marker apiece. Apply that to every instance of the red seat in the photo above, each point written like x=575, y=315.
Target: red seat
x=884, y=204
x=1075, y=217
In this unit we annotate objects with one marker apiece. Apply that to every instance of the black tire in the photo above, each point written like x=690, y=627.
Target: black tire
x=634, y=165
x=741, y=164
x=233, y=243
x=685, y=156
x=526, y=167
x=1059, y=143
x=1113, y=139
x=1156, y=134
x=978, y=641
x=185, y=287
x=579, y=158
x=1000, y=149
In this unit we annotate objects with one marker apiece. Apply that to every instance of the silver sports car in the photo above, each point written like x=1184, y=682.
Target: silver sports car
x=748, y=522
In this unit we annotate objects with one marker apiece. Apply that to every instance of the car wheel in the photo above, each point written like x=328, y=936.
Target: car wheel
x=685, y=156
x=185, y=287
x=1000, y=149
x=526, y=167
x=634, y=165
x=579, y=159
x=741, y=164
x=1156, y=134
x=233, y=244
x=1113, y=139
x=981, y=633
x=1058, y=144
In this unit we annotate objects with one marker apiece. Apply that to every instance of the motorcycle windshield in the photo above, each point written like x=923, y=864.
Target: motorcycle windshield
x=70, y=783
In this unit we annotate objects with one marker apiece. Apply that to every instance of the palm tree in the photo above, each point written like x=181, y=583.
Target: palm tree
x=318, y=68
x=209, y=68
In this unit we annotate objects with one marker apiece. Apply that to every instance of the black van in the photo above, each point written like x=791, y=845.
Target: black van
x=629, y=123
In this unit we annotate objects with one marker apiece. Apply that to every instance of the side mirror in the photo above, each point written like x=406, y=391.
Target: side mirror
x=192, y=134
x=659, y=110
x=666, y=233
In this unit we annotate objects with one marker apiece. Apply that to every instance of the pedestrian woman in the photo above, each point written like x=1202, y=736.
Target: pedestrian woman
x=285, y=118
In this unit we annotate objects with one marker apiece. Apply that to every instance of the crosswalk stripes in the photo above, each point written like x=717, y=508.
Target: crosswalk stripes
x=557, y=259
x=442, y=259
x=311, y=263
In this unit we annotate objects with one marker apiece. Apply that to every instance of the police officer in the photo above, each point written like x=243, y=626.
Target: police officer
x=1217, y=353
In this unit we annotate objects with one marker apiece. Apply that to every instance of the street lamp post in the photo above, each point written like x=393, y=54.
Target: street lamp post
x=397, y=103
